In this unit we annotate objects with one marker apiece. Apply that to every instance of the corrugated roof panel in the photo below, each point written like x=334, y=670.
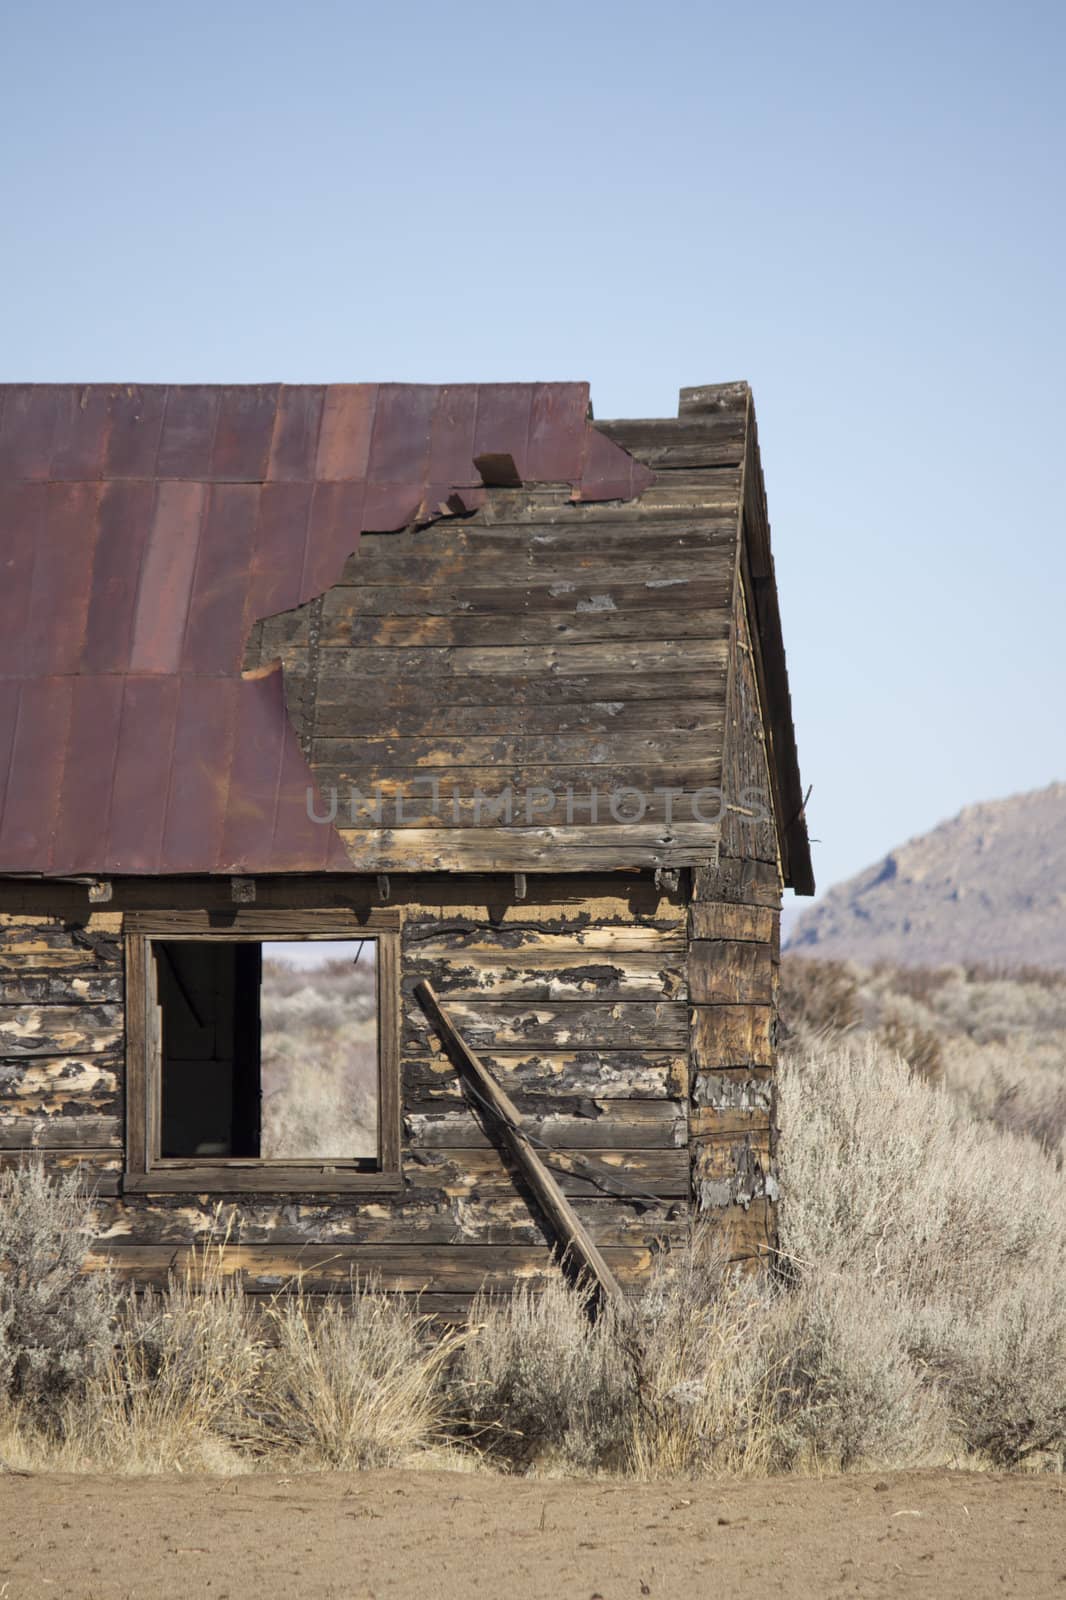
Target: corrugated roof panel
x=9, y=710
x=399, y=447
x=28, y=430
x=503, y=417
x=198, y=802
x=299, y=842
x=124, y=520
x=83, y=422
x=88, y=773
x=255, y=774
x=214, y=633
x=21, y=507
x=167, y=571
x=243, y=433
x=345, y=432
x=557, y=432
x=143, y=768
x=295, y=441
x=280, y=550
x=136, y=412
x=188, y=434
x=39, y=748
x=333, y=533
x=55, y=619
x=451, y=453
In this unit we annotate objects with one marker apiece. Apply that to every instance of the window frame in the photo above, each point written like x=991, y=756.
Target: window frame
x=146, y=1171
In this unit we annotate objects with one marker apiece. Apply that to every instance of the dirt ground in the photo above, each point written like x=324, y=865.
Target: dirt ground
x=443, y=1535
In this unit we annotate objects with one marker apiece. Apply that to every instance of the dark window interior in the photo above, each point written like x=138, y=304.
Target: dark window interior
x=209, y=996
x=269, y=1050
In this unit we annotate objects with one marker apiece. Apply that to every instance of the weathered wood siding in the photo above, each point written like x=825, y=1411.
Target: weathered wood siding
x=578, y=998
x=734, y=957
x=541, y=647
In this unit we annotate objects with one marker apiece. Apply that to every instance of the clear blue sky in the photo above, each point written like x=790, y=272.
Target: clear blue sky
x=858, y=208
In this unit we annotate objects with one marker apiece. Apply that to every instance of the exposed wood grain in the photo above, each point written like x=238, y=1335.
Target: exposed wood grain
x=730, y=971
x=49, y=1030
x=720, y=920
x=731, y=1036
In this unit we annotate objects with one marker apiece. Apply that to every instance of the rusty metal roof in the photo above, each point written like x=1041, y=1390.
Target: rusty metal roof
x=144, y=529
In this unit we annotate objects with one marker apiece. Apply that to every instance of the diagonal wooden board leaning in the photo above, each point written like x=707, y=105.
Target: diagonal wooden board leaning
x=568, y=1227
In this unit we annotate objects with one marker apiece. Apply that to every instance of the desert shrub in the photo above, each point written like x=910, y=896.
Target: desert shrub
x=818, y=996
x=54, y=1318
x=704, y=1373
x=351, y=1386
x=847, y=1392
x=889, y=1176
x=1001, y=1370
x=919, y=1047
x=538, y=1381
x=944, y=1230
x=176, y=1393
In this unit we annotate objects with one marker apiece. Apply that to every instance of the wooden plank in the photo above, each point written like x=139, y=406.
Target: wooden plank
x=426, y=1218
x=60, y=1085
x=710, y=919
x=571, y=1024
x=604, y=801
x=59, y=1030
x=19, y=1131
x=99, y=1171
x=735, y=1089
x=339, y=675
x=731, y=1036
x=483, y=1171
x=610, y=1075
x=488, y=941
x=606, y=1124
x=667, y=754
x=526, y=849
x=262, y=922
x=351, y=718
x=733, y=1168
x=509, y=1129
x=461, y=1269
x=58, y=988
x=668, y=583
x=554, y=975
x=536, y=628
x=250, y=1176
x=638, y=657
x=745, y=882
x=713, y=438
x=730, y=971
x=537, y=548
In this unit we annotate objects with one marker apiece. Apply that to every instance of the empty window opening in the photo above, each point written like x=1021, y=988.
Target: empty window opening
x=269, y=1049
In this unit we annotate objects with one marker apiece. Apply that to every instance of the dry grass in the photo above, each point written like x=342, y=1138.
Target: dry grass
x=352, y=1386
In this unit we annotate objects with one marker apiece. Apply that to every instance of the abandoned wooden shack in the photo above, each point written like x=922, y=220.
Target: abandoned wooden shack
x=310, y=696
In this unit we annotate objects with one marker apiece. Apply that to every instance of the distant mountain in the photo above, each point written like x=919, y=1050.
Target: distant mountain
x=990, y=885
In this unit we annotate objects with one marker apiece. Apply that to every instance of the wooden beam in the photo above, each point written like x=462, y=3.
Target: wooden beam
x=558, y=1210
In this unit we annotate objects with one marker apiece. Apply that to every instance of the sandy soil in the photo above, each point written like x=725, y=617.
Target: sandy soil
x=402, y=1535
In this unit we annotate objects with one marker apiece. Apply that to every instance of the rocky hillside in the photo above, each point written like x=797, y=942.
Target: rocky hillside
x=987, y=886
